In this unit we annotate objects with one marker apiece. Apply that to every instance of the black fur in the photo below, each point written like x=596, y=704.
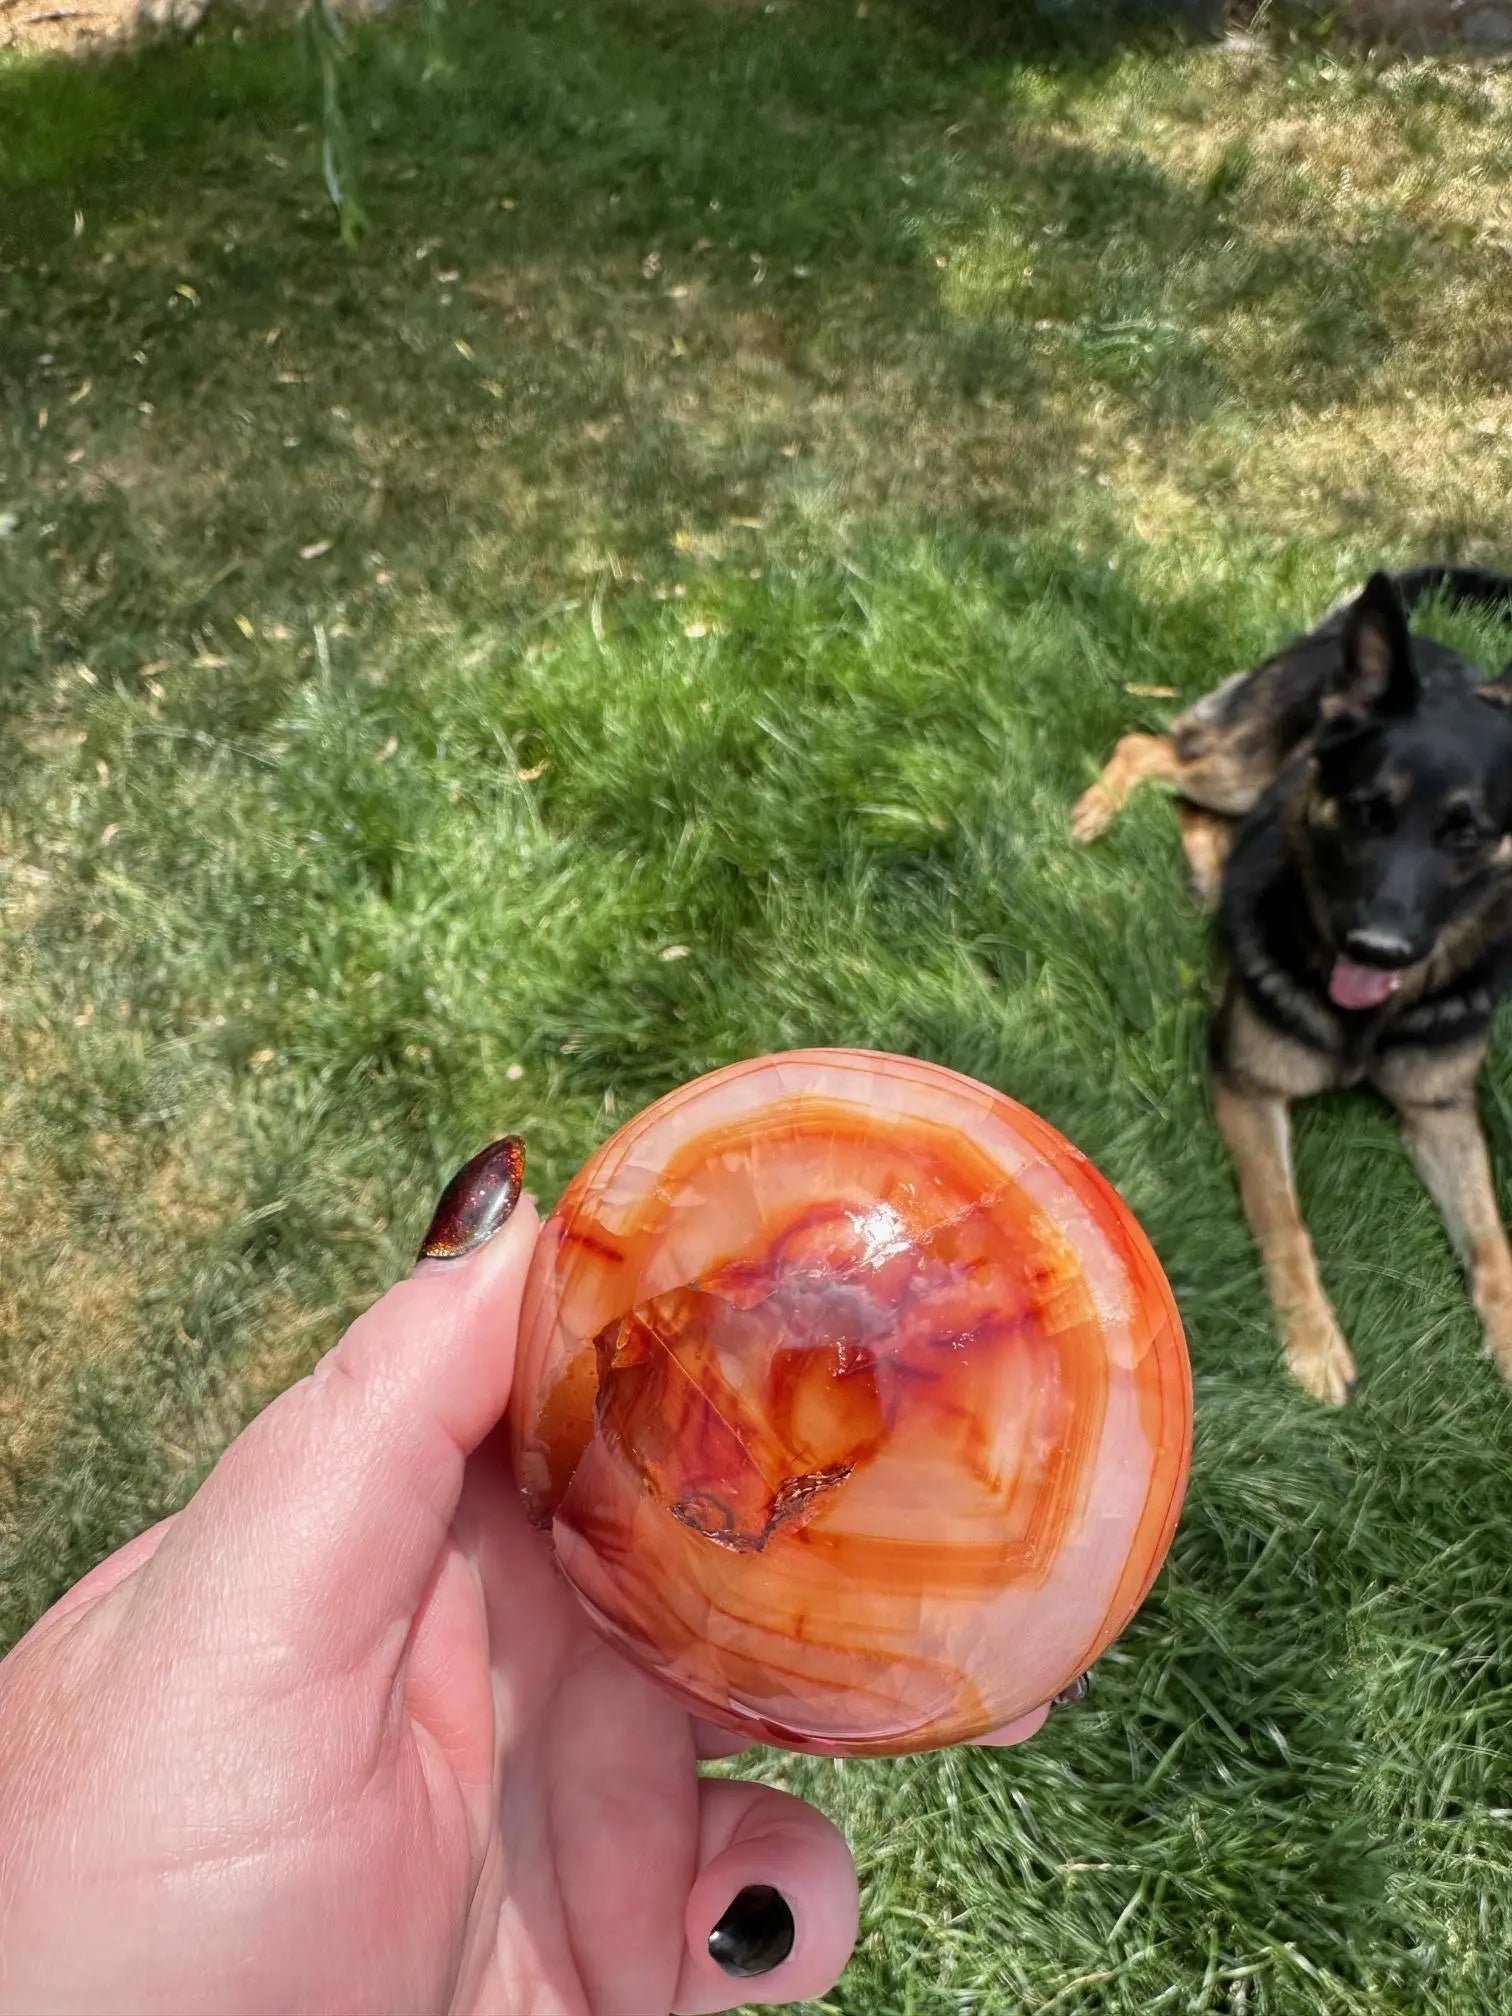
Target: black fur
x=1384, y=839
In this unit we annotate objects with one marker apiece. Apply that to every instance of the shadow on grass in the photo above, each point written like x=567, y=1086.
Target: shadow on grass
x=1071, y=34
x=633, y=277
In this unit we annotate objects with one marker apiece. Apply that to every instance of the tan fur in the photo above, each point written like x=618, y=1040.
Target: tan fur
x=1253, y=1111
x=1147, y=759
x=1434, y=1094
x=1257, y=1129
x=1206, y=839
x=1138, y=759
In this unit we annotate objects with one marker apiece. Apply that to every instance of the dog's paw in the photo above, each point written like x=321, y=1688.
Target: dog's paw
x=1318, y=1358
x=1092, y=814
x=1496, y=1327
x=1491, y=1281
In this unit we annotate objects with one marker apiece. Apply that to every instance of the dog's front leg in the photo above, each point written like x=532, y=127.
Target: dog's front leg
x=1257, y=1127
x=1449, y=1149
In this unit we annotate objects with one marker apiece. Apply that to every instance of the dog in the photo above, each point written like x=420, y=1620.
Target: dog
x=1346, y=814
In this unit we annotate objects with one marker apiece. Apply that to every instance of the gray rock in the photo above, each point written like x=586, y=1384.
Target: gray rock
x=1489, y=31
x=180, y=16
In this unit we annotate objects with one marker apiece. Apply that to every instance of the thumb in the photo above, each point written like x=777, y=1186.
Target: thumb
x=323, y=1521
x=794, y=1913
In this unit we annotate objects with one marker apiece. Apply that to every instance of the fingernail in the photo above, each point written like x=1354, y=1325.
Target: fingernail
x=1077, y=1691
x=477, y=1202
x=755, y=1934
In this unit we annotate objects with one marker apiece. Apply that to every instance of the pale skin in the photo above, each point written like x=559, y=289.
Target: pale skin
x=336, y=1737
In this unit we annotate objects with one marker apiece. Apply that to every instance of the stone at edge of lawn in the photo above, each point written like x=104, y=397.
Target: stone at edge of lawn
x=1482, y=26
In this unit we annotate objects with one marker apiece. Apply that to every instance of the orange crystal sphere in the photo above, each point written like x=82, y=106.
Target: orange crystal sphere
x=855, y=1401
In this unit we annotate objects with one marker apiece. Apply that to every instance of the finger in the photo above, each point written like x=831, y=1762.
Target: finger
x=710, y=1742
x=1014, y=1732
x=330, y=1510
x=105, y=1575
x=773, y=1912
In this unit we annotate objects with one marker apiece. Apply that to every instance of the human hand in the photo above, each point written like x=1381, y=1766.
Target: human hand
x=337, y=1738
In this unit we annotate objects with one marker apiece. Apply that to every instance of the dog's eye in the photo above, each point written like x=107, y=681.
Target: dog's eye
x=1461, y=833
x=1372, y=812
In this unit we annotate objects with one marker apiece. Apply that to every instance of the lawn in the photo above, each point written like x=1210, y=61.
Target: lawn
x=651, y=601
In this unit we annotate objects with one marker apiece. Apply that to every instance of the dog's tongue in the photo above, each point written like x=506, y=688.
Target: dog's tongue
x=1352, y=986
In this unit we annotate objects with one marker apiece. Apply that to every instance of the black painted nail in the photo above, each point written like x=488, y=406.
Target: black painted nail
x=755, y=1934
x=477, y=1202
x=1078, y=1691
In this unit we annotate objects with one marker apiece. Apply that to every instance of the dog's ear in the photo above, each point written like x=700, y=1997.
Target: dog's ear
x=1377, y=675
x=1497, y=691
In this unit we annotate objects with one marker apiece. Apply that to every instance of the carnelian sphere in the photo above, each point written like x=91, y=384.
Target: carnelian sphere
x=855, y=1401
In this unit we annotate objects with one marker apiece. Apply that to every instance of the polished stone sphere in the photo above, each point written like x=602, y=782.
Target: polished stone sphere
x=854, y=1401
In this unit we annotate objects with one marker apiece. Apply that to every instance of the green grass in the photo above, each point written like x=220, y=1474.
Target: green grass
x=725, y=503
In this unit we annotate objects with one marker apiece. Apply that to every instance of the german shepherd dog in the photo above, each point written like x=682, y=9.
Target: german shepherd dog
x=1347, y=813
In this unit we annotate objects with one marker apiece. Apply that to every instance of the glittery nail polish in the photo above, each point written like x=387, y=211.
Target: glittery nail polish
x=477, y=1202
